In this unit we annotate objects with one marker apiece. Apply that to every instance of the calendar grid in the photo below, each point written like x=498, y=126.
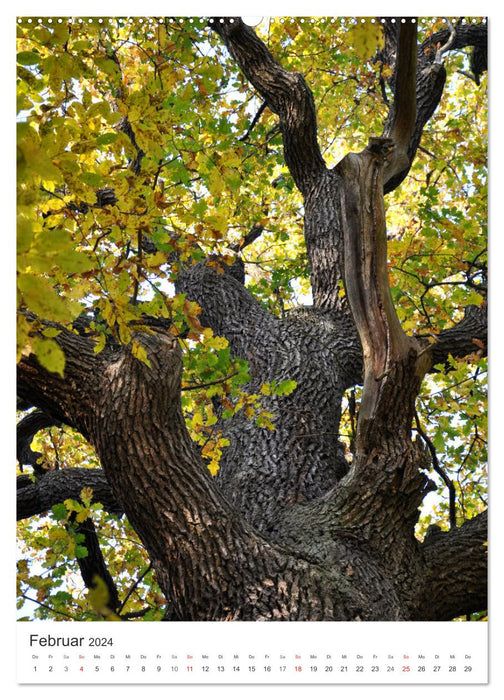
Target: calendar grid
x=309, y=653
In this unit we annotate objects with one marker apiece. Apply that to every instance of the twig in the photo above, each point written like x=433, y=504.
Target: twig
x=439, y=470
x=47, y=607
x=449, y=43
x=254, y=121
x=191, y=387
x=134, y=587
x=249, y=238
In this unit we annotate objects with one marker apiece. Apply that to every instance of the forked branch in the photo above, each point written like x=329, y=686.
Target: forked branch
x=284, y=92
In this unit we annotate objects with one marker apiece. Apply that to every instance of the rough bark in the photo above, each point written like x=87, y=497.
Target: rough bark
x=430, y=78
x=468, y=336
x=462, y=587
x=210, y=563
x=262, y=472
x=93, y=567
x=37, y=497
x=288, y=530
x=287, y=94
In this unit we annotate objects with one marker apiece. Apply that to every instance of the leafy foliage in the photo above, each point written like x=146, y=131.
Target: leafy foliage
x=156, y=111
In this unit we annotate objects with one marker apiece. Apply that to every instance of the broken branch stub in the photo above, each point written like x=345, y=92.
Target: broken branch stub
x=393, y=367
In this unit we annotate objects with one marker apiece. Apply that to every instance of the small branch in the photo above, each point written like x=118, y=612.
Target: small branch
x=449, y=43
x=254, y=122
x=125, y=126
x=284, y=92
x=192, y=387
x=136, y=615
x=132, y=589
x=249, y=238
x=424, y=150
x=439, y=470
x=466, y=74
x=48, y=607
x=136, y=284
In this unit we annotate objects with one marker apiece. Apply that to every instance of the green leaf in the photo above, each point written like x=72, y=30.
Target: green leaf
x=28, y=58
x=106, y=139
x=107, y=65
x=286, y=387
x=81, y=551
x=59, y=511
x=366, y=38
x=92, y=179
x=40, y=297
x=51, y=332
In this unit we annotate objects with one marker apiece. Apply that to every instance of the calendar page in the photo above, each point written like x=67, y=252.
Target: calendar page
x=251, y=348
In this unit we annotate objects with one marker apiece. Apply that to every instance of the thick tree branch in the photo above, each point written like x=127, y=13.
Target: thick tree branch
x=430, y=78
x=389, y=355
x=394, y=366
x=227, y=306
x=26, y=429
x=93, y=565
x=456, y=571
x=202, y=549
x=285, y=93
x=404, y=106
x=52, y=393
x=464, y=338
x=55, y=486
x=263, y=472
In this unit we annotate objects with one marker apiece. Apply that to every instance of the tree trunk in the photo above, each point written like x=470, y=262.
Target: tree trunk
x=288, y=530
x=210, y=563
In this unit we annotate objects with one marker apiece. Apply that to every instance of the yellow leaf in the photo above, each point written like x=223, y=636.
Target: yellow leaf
x=86, y=495
x=49, y=354
x=140, y=353
x=100, y=343
x=216, y=183
x=156, y=259
x=23, y=340
x=213, y=467
x=366, y=38
x=217, y=222
x=231, y=159
x=219, y=343
x=82, y=515
x=124, y=334
x=98, y=596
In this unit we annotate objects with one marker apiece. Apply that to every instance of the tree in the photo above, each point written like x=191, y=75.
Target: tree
x=181, y=183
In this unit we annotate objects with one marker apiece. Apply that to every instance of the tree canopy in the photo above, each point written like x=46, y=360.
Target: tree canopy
x=187, y=207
